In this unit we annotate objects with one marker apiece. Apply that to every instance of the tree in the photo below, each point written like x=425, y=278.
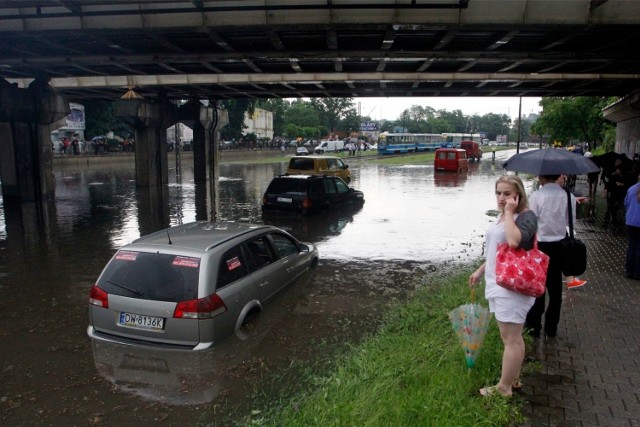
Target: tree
x=524, y=126
x=291, y=131
x=417, y=119
x=301, y=114
x=494, y=124
x=236, y=109
x=456, y=119
x=332, y=110
x=573, y=119
x=350, y=122
x=100, y=120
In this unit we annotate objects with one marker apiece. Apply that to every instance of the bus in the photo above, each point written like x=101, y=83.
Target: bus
x=400, y=143
x=454, y=139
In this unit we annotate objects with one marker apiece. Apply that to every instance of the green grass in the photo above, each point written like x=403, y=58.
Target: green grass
x=411, y=372
x=405, y=159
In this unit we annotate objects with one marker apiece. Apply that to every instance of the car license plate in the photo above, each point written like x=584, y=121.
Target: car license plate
x=285, y=199
x=141, y=322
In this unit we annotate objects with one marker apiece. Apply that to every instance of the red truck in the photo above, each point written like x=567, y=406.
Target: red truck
x=473, y=149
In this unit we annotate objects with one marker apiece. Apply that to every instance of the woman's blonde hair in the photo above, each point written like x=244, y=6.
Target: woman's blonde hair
x=515, y=181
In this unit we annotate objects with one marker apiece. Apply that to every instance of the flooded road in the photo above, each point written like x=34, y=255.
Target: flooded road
x=414, y=222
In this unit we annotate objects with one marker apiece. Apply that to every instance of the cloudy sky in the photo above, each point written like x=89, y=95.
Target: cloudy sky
x=390, y=108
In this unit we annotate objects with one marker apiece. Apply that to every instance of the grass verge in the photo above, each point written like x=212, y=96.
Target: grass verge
x=405, y=159
x=411, y=373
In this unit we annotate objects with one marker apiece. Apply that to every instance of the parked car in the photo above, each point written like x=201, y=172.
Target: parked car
x=192, y=285
x=319, y=165
x=309, y=193
x=301, y=151
x=451, y=159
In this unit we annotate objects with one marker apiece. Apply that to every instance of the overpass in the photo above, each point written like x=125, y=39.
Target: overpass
x=53, y=52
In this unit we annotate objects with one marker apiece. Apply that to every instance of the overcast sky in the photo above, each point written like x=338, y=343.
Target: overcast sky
x=391, y=108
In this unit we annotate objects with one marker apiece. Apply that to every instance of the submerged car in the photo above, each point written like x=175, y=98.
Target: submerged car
x=309, y=193
x=192, y=285
x=319, y=165
x=451, y=159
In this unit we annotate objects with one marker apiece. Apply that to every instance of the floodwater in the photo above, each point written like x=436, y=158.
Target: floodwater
x=414, y=223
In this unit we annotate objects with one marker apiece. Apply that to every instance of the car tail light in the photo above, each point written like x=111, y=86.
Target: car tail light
x=265, y=201
x=203, y=308
x=98, y=297
x=306, y=203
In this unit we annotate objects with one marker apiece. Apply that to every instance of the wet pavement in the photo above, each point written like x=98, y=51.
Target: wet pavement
x=589, y=375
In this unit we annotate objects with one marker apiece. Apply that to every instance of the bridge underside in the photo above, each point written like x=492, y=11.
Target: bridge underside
x=323, y=48
x=224, y=49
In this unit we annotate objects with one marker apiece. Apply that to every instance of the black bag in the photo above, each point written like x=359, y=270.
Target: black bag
x=574, y=251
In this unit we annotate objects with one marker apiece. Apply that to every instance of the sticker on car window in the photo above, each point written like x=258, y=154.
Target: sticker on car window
x=183, y=261
x=233, y=263
x=126, y=256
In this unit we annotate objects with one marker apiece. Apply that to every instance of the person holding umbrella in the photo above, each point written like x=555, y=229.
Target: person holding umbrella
x=550, y=204
x=517, y=226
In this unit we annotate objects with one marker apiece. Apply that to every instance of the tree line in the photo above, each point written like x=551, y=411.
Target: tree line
x=563, y=120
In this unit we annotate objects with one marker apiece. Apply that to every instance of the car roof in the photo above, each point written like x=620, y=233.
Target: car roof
x=195, y=236
x=316, y=156
x=295, y=176
x=450, y=149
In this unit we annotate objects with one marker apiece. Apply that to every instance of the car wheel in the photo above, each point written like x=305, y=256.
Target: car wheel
x=247, y=330
x=314, y=264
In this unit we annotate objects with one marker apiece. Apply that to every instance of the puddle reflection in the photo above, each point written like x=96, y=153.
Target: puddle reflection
x=313, y=228
x=448, y=179
x=174, y=377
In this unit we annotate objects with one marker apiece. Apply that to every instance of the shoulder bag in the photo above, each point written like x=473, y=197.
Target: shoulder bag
x=522, y=271
x=574, y=251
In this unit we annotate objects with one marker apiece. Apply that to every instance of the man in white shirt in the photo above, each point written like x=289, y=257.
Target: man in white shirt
x=549, y=204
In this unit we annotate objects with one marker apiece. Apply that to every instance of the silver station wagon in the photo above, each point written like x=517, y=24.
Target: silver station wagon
x=190, y=286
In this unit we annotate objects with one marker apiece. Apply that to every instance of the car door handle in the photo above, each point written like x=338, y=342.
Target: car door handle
x=263, y=284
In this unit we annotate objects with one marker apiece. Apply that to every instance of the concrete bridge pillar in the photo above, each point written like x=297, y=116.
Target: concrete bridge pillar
x=626, y=115
x=150, y=122
x=205, y=120
x=26, y=163
x=202, y=119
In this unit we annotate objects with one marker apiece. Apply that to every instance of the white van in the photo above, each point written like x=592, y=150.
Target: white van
x=329, y=146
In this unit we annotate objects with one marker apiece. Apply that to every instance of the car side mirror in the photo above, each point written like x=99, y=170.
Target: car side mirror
x=346, y=166
x=303, y=248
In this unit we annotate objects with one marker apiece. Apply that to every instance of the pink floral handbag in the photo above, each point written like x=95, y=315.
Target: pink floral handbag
x=520, y=270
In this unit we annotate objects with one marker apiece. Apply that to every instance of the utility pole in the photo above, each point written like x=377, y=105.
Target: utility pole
x=519, y=124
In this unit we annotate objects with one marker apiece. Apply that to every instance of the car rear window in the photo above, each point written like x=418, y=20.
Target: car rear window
x=288, y=186
x=301, y=164
x=152, y=276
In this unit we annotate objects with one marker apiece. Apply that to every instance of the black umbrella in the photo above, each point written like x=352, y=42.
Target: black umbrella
x=607, y=161
x=550, y=161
